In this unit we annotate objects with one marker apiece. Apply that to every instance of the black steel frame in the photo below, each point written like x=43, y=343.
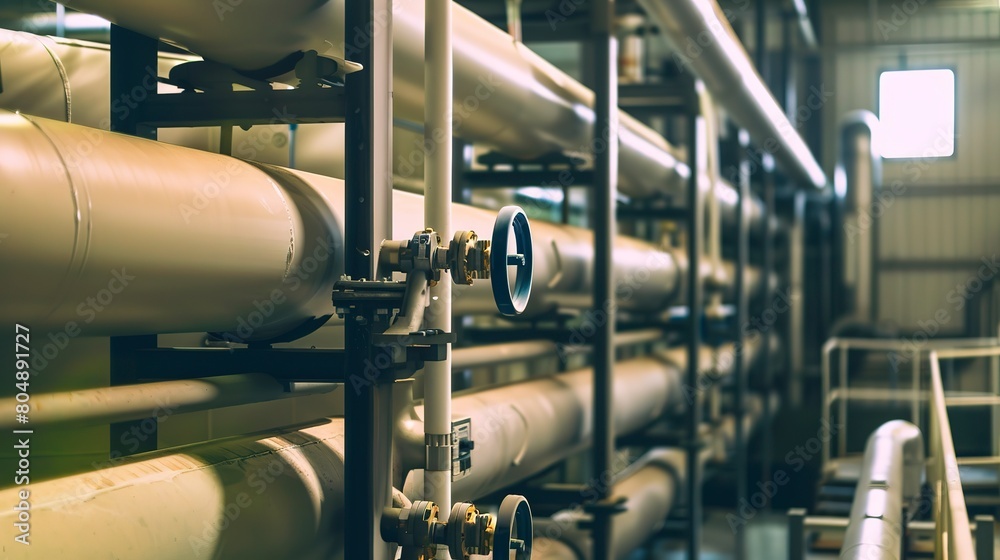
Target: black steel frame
x=368, y=405
x=678, y=97
x=368, y=401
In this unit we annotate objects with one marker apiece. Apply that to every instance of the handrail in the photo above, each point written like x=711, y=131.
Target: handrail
x=953, y=536
x=910, y=351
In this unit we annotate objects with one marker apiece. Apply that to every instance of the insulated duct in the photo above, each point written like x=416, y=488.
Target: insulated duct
x=649, y=487
x=512, y=418
x=857, y=178
x=120, y=403
x=506, y=96
x=127, y=236
x=892, y=473
x=67, y=80
x=104, y=405
x=280, y=495
x=705, y=43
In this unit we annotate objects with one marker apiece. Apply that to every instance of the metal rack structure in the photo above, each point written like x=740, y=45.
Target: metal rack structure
x=367, y=210
x=367, y=198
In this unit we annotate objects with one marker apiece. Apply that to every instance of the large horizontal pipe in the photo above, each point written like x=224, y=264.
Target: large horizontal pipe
x=526, y=423
x=280, y=495
x=506, y=96
x=73, y=24
x=112, y=235
x=132, y=402
x=498, y=354
x=522, y=428
x=648, y=487
x=68, y=80
x=891, y=476
x=703, y=39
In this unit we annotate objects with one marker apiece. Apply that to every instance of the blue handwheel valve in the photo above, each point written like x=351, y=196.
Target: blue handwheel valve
x=511, y=301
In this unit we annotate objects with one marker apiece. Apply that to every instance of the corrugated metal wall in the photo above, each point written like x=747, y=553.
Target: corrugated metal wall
x=936, y=230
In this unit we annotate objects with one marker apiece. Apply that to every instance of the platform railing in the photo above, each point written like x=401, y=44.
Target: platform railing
x=839, y=396
x=953, y=536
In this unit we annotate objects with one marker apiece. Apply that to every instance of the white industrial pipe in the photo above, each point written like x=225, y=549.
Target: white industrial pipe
x=649, y=487
x=280, y=495
x=124, y=236
x=46, y=77
x=891, y=476
x=506, y=96
x=438, y=83
x=69, y=80
x=526, y=423
x=113, y=235
x=133, y=402
x=704, y=41
x=856, y=178
x=120, y=403
x=496, y=354
x=520, y=429
x=508, y=352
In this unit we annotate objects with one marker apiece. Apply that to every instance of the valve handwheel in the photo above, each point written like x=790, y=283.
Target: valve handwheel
x=511, y=301
x=513, y=530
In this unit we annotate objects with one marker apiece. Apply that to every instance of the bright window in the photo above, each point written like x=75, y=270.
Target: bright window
x=917, y=113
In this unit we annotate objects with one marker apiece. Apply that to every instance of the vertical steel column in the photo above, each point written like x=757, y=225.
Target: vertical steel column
x=133, y=62
x=760, y=36
x=739, y=371
x=984, y=537
x=367, y=193
x=695, y=222
x=141, y=434
x=797, y=342
x=767, y=257
x=796, y=534
x=605, y=187
x=789, y=90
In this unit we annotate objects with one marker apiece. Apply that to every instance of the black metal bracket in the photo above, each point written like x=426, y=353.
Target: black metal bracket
x=243, y=108
x=381, y=299
x=551, y=170
x=675, y=96
x=209, y=98
x=602, y=511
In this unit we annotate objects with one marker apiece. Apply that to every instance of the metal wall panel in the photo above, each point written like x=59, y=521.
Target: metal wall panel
x=941, y=235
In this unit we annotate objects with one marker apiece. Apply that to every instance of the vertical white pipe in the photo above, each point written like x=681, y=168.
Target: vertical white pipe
x=514, y=19
x=438, y=76
x=713, y=223
x=60, y=20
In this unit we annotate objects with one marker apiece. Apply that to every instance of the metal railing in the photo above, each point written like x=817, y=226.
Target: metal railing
x=953, y=536
x=908, y=350
x=953, y=533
